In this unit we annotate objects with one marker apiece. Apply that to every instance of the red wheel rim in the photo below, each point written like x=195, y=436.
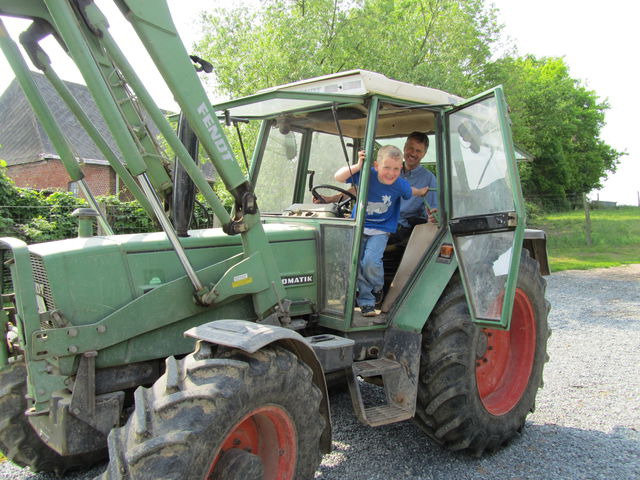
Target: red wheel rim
x=502, y=373
x=269, y=433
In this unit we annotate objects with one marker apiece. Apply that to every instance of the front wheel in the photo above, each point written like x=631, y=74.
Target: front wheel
x=477, y=385
x=231, y=416
x=19, y=441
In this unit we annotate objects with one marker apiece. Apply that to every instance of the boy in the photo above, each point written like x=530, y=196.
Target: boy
x=386, y=188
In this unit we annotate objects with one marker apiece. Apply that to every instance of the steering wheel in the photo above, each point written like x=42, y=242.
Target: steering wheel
x=342, y=205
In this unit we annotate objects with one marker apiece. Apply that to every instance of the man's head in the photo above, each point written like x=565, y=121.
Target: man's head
x=415, y=148
x=388, y=164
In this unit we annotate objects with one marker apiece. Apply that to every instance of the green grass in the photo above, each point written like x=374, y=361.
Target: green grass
x=615, y=236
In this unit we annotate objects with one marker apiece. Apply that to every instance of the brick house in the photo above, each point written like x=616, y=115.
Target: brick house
x=31, y=159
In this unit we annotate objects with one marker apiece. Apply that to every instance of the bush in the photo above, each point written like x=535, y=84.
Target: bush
x=40, y=230
x=126, y=217
x=41, y=216
x=534, y=210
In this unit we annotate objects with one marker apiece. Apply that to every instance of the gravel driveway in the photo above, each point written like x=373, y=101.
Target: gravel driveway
x=587, y=422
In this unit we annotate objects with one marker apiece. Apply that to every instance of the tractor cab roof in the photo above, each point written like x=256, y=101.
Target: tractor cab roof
x=308, y=103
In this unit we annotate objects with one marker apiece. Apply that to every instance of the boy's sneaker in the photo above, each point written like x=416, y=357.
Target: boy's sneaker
x=378, y=297
x=368, y=311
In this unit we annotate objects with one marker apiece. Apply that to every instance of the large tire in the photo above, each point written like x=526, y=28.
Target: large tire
x=19, y=441
x=478, y=385
x=200, y=419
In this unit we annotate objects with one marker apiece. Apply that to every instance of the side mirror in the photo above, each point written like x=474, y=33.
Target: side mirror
x=470, y=134
x=290, y=145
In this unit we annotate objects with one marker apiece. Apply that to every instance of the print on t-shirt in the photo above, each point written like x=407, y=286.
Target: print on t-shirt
x=379, y=207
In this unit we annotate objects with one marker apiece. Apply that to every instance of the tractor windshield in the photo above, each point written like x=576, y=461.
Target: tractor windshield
x=283, y=166
x=278, y=170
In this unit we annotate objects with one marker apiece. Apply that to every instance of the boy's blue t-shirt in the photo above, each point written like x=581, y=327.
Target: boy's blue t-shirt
x=383, y=201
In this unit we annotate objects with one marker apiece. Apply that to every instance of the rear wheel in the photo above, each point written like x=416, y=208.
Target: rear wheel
x=478, y=385
x=231, y=416
x=19, y=441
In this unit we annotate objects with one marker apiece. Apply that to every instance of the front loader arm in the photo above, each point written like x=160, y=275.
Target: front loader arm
x=84, y=32
x=157, y=32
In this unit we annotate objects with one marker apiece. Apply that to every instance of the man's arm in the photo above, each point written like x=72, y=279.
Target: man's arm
x=335, y=198
x=419, y=192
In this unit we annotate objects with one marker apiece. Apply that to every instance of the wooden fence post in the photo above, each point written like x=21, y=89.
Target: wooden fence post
x=587, y=219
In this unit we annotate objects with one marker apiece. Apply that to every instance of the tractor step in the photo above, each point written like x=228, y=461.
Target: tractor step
x=400, y=392
x=358, y=320
x=396, y=370
x=372, y=368
x=386, y=414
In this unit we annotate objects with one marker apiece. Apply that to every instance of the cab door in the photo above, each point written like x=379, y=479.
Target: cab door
x=486, y=210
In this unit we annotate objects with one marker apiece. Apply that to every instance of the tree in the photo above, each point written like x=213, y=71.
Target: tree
x=445, y=44
x=558, y=121
x=440, y=43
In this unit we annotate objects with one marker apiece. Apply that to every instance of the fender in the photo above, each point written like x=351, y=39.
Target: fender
x=536, y=242
x=251, y=337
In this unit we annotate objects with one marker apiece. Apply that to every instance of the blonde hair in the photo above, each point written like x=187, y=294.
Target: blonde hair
x=389, y=151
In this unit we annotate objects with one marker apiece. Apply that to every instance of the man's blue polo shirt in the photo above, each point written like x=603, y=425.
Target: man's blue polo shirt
x=419, y=177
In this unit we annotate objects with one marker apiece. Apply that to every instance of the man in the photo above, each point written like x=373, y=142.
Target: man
x=413, y=211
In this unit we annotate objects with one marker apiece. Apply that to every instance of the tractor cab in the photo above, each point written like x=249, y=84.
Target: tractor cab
x=310, y=129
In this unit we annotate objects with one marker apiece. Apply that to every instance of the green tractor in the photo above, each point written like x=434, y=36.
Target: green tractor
x=206, y=353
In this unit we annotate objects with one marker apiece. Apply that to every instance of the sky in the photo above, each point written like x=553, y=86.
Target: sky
x=597, y=39
x=185, y=15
